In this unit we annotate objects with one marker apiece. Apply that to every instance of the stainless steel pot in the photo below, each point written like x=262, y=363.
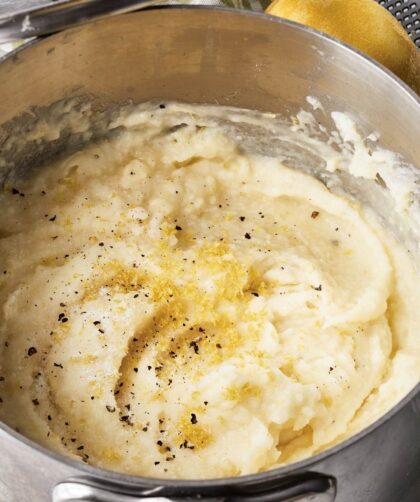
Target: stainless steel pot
x=232, y=58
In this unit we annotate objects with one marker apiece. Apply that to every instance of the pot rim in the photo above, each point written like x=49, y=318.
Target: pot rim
x=132, y=481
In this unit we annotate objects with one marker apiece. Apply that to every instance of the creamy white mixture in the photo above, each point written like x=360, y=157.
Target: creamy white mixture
x=174, y=304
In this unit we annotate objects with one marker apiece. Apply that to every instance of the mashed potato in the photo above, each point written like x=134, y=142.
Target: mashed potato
x=175, y=305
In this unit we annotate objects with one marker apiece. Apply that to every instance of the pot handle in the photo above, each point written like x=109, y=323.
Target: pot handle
x=309, y=487
x=38, y=21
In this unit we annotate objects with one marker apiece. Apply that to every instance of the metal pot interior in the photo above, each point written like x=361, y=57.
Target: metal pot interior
x=197, y=55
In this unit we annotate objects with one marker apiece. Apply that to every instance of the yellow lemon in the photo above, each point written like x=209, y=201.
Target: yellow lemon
x=363, y=24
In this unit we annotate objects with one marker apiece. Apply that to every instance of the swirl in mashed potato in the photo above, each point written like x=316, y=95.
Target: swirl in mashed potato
x=173, y=305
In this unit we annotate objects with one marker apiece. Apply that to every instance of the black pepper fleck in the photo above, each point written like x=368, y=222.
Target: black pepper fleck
x=195, y=346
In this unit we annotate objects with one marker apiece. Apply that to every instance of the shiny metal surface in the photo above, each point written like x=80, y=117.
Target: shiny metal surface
x=231, y=58
x=75, y=491
x=39, y=20
x=236, y=58
x=313, y=488
x=406, y=11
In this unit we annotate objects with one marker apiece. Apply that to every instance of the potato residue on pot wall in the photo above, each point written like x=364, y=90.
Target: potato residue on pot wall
x=175, y=305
